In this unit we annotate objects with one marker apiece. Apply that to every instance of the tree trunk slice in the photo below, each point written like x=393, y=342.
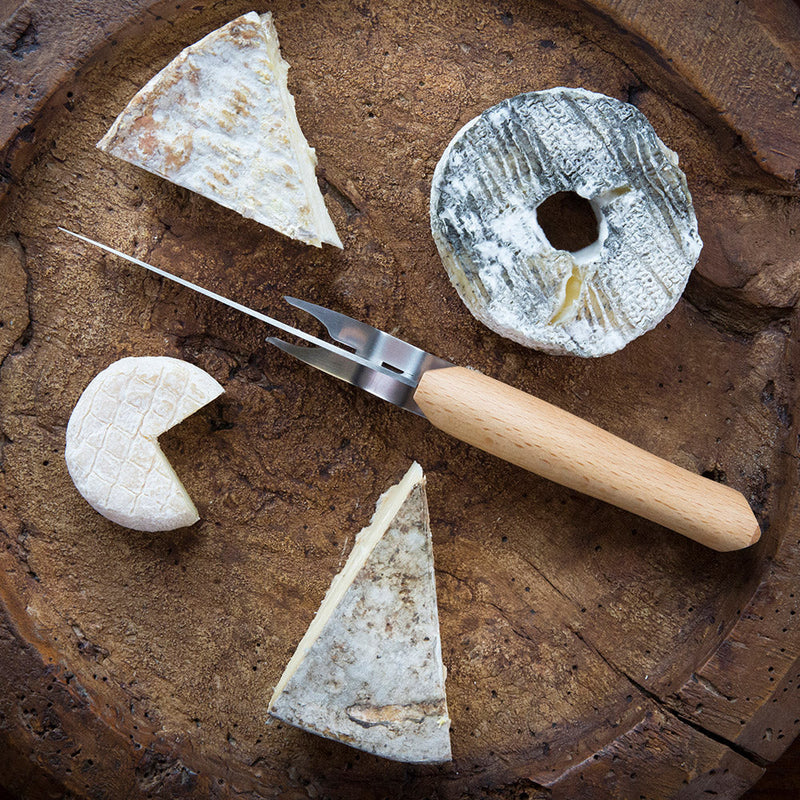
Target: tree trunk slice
x=590, y=653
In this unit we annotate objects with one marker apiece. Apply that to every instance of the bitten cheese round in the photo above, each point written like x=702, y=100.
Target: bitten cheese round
x=112, y=451
x=505, y=163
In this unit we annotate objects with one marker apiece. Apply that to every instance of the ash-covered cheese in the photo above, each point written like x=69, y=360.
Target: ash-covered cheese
x=369, y=671
x=219, y=120
x=505, y=163
x=112, y=451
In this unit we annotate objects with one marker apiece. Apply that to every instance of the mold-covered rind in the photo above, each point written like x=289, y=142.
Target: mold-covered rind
x=503, y=164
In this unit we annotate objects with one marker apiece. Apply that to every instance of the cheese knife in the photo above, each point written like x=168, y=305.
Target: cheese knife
x=509, y=423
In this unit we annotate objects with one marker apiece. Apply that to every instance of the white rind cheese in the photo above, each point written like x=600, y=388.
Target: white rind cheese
x=112, y=451
x=503, y=164
x=369, y=671
x=219, y=120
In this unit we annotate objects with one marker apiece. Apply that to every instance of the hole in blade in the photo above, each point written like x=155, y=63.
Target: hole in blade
x=392, y=367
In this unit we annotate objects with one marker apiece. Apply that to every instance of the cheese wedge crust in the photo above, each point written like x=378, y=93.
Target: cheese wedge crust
x=369, y=670
x=219, y=120
x=112, y=452
x=503, y=164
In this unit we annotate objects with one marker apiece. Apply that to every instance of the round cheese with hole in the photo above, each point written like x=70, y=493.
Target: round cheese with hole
x=112, y=451
x=504, y=164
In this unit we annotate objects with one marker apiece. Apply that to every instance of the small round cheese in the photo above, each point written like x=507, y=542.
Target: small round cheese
x=505, y=163
x=112, y=451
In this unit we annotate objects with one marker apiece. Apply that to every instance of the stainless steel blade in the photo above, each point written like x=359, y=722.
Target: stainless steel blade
x=377, y=383
x=375, y=345
x=393, y=383
x=207, y=292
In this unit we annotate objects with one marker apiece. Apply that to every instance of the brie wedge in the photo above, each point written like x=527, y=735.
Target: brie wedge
x=369, y=671
x=505, y=163
x=219, y=120
x=112, y=451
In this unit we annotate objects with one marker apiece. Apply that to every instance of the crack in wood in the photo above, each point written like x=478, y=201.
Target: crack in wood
x=728, y=311
x=720, y=118
x=22, y=341
x=664, y=706
x=716, y=737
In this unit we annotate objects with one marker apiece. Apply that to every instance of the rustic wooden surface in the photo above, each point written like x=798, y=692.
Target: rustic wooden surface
x=781, y=780
x=590, y=654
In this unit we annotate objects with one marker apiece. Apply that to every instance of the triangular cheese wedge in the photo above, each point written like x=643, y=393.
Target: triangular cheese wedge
x=369, y=670
x=219, y=120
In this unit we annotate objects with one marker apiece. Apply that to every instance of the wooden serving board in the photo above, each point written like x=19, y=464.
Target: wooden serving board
x=589, y=653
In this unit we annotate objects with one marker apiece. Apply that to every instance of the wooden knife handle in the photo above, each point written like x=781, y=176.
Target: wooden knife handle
x=555, y=444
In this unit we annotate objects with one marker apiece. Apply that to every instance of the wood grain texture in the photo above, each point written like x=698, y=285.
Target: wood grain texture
x=738, y=63
x=40, y=48
x=561, y=447
x=589, y=654
x=781, y=781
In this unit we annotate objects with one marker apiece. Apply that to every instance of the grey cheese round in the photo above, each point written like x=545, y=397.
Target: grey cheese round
x=499, y=169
